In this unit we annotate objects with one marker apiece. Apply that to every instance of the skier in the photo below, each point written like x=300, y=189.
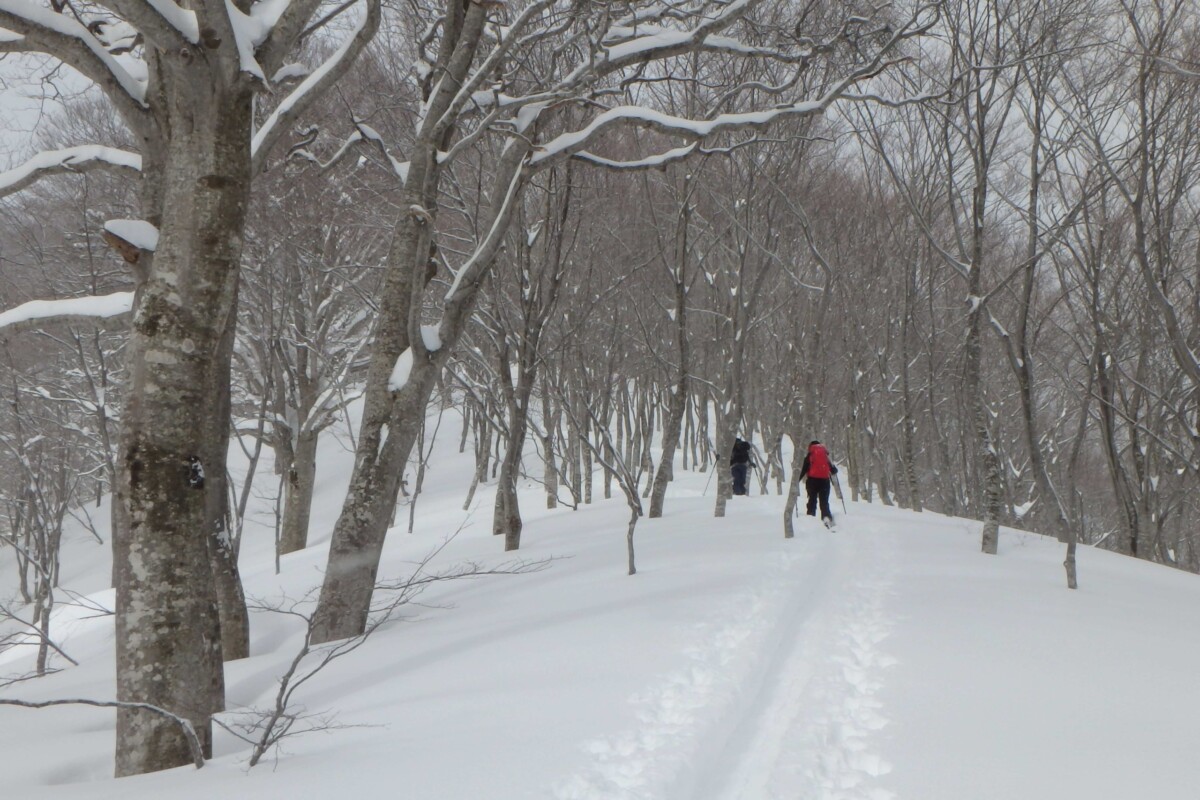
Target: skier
x=816, y=472
x=739, y=464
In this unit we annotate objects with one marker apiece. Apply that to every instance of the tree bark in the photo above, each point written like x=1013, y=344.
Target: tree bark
x=299, y=482
x=677, y=405
x=168, y=637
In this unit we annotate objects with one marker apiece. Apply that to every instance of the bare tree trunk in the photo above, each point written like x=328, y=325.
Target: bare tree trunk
x=394, y=411
x=301, y=478
x=231, y=600
x=506, y=519
x=679, y=392
x=1069, y=562
x=550, y=423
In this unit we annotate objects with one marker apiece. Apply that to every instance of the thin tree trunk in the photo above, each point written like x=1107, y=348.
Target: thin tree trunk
x=298, y=494
x=678, y=403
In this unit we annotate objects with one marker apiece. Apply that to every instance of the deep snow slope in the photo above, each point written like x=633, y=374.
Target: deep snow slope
x=885, y=659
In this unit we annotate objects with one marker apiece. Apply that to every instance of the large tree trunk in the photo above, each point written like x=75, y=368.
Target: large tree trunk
x=168, y=638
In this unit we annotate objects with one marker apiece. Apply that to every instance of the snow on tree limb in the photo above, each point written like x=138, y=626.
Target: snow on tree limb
x=487, y=70
x=303, y=96
x=571, y=143
x=363, y=135
x=649, y=162
x=161, y=22
x=137, y=232
x=44, y=31
x=37, y=313
x=68, y=160
x=252, y=29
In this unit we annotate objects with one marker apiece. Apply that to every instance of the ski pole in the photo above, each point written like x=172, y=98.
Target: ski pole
x=838, y=485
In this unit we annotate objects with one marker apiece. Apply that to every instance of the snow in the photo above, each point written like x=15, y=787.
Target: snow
x=404, y=362
x=573, y=140
x=887, y=659
x=68, y=157
x=248, y=33
x=109, y=305
x=138, y=232
x=182, y=19
x=290, y=71
x=251, y=30
x=401, y=370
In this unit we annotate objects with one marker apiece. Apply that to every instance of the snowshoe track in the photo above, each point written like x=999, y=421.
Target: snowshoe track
x=778, y=696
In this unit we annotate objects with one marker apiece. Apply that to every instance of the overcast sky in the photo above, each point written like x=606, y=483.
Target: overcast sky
x=26, y=97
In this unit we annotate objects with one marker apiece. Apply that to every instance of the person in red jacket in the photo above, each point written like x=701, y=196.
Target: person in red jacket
x=816, y=472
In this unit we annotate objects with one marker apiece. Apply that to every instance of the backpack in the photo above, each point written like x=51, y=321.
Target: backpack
x=741, y=452
x=818, y=461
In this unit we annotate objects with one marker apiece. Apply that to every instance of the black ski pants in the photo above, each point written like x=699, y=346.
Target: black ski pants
x=818, y=490
x=738, y=472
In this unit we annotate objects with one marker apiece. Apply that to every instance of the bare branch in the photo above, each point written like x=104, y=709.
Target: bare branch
x=188, y=731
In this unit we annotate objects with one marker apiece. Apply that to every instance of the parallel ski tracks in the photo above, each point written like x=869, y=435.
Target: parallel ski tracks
x=779, y=696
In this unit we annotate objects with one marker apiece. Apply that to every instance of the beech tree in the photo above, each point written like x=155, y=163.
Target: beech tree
x=183, y=81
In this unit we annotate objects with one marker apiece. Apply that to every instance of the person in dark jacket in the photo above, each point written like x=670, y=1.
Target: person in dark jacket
x=816, y=473
x=739, y=465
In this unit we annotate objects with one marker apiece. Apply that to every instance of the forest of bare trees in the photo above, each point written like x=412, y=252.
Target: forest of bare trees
x=959, y=241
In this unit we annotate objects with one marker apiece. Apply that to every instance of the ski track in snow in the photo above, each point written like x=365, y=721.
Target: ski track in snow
x=838, y=712
x=778, y=699
x=642, y=764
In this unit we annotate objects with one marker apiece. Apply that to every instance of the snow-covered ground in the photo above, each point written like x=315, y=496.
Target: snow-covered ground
x=885, y=659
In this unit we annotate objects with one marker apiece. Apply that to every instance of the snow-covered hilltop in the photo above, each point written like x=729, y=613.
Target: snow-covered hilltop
x=887, y=659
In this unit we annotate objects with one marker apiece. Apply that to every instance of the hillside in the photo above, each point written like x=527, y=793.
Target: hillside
x=886, y=659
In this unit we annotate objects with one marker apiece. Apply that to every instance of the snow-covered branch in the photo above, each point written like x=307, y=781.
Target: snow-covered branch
x=648, y=162
x=163, y=23
x=41, y=30
x=36, y=313
x=490, y=64
x=85, y=158
x=573, y=143
x=312, y=87
x=363, y=135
